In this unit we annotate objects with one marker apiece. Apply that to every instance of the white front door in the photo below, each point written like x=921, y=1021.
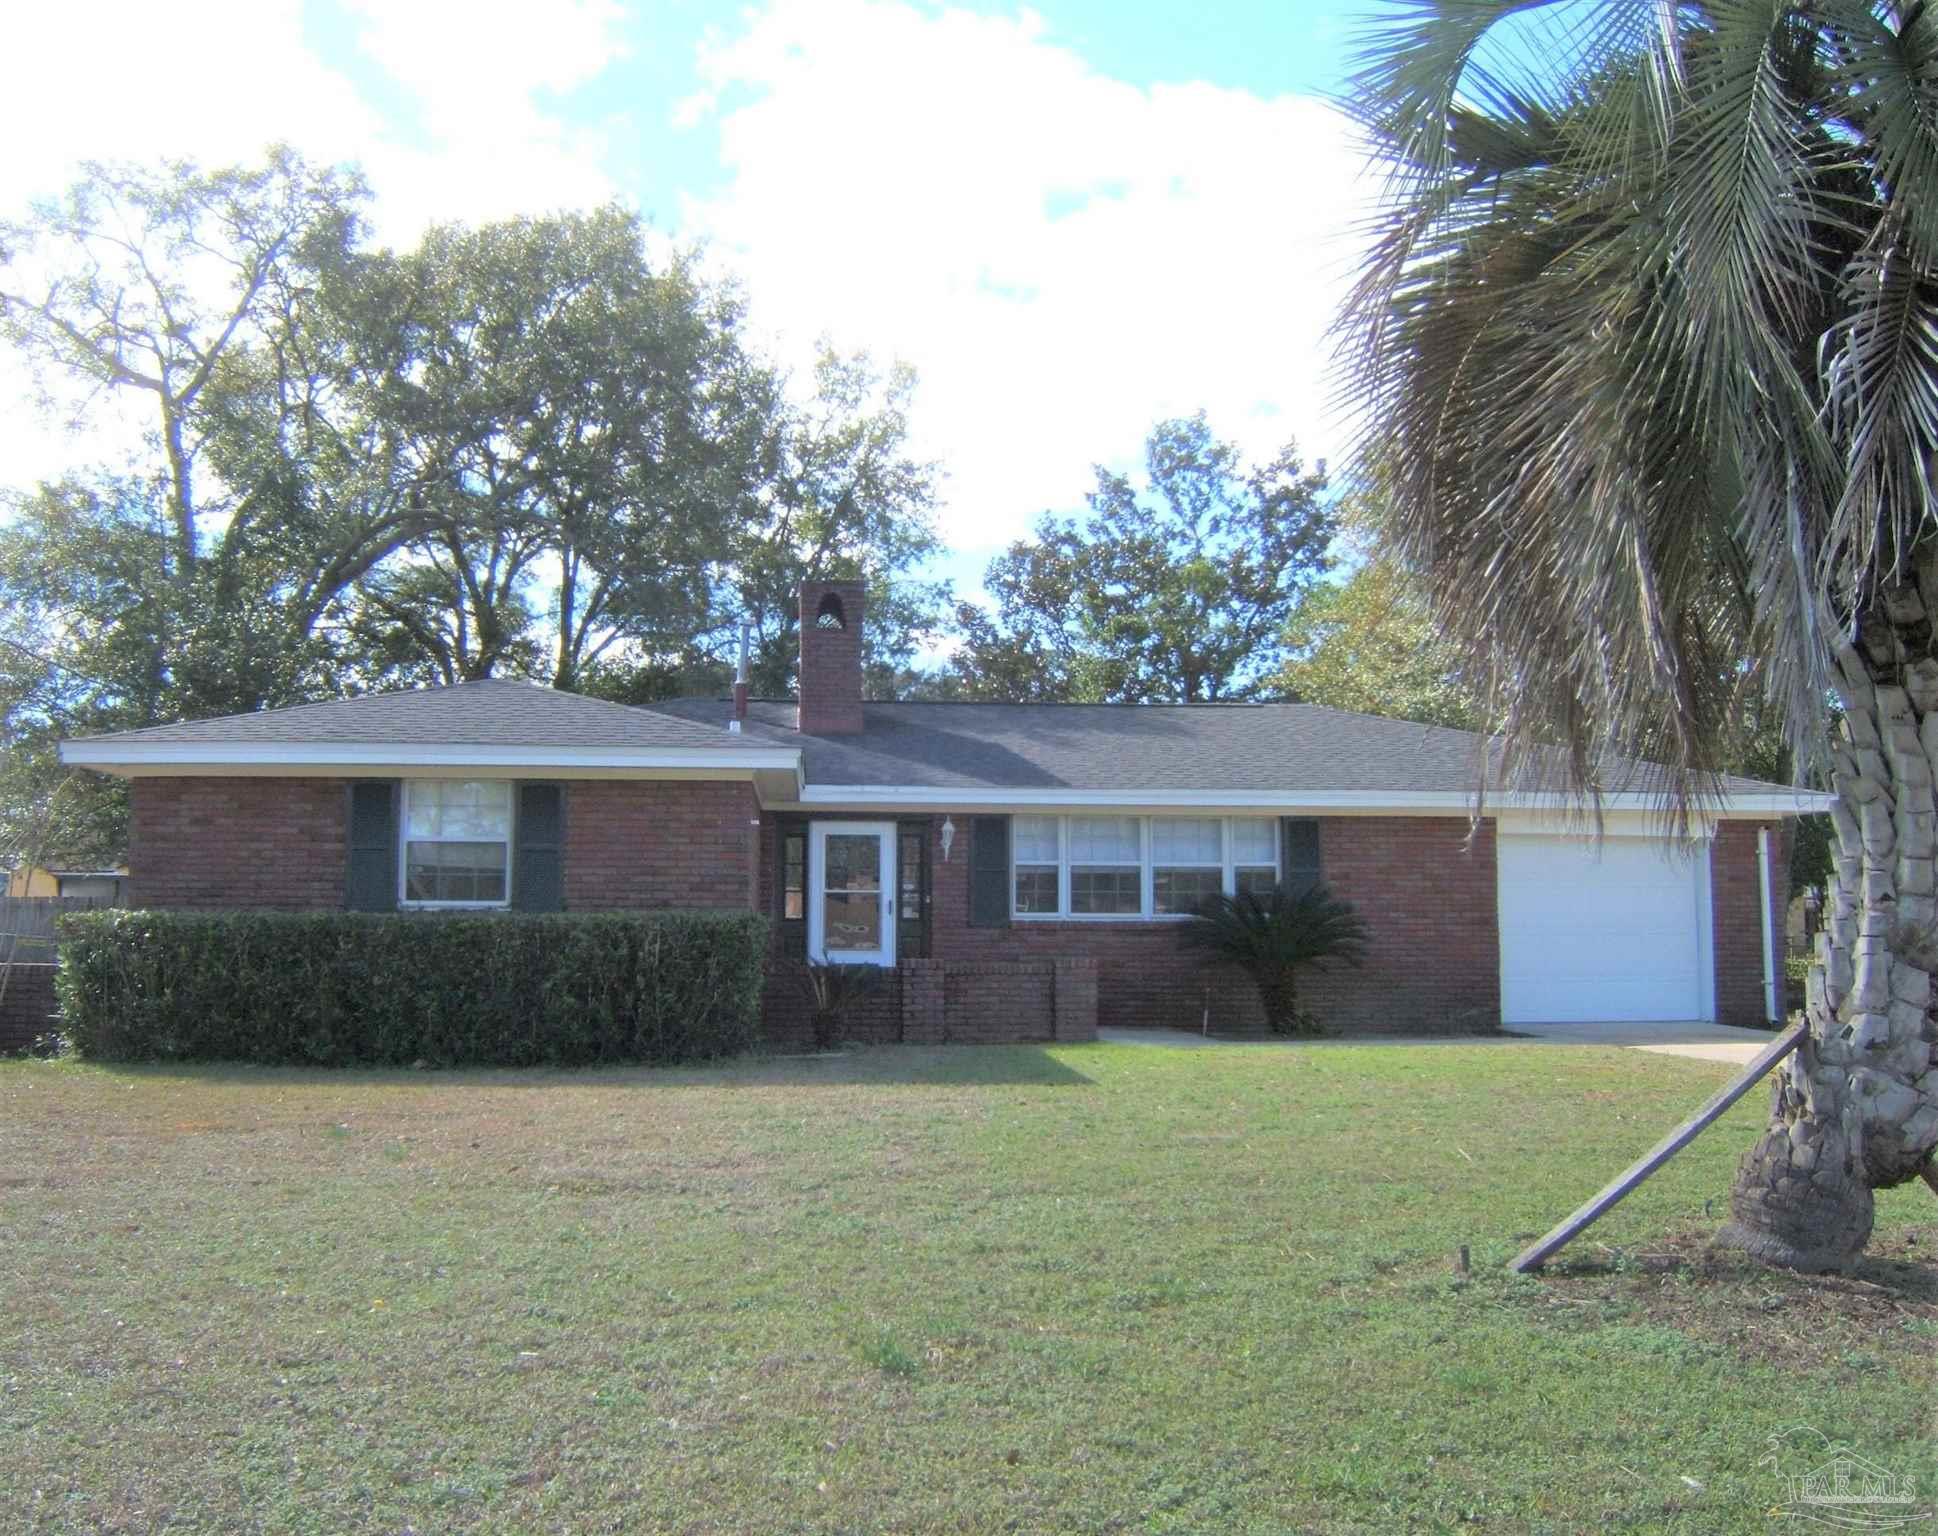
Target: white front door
x=851, y=892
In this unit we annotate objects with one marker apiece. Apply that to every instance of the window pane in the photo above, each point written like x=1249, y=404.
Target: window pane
x=853, y=920
x=1106, y=890
x=1256, y=878
x=458, y=808
x=1254, y=840
x=420, y=807
x=794, y=875
x=1104, y=840
x=1035, y=839
x=1036, y=888
x=1187, y=840
x=854, y=861
x=1184, y=890
x=454, y=872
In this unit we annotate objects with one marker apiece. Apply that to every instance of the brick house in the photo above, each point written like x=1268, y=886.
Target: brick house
x=1019, y=871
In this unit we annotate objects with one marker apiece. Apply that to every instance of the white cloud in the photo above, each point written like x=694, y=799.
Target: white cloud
x=218, y=80
x=1066, y=258
x=490, y=145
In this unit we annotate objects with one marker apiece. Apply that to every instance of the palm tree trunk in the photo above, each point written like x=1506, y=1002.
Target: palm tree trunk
x=1856, y=1108
x=1278, y=990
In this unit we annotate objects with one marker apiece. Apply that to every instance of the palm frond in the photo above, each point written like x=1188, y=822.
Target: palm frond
x=1647, y=357
x=1280, y=928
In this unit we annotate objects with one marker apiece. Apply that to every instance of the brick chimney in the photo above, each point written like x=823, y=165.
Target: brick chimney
x=830, y=657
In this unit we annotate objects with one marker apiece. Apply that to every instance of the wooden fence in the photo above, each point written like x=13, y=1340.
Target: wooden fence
x=27, y=925
x=27, y=955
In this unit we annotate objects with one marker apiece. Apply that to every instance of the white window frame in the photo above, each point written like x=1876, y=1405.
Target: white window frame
x=404, y=840
x=1147, y=882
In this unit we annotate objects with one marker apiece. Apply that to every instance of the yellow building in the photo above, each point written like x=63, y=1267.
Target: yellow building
x=107, y=886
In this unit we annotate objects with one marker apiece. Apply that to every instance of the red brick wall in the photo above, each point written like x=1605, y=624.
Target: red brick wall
x=1430, y=902
x=1736, y=890
x=278, y=842
x=830, y=683
x=206, y=842
x=633, y=843
x=1426, y=886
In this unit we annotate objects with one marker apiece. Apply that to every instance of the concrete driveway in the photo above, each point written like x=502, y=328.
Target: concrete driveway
x=1701, y=1042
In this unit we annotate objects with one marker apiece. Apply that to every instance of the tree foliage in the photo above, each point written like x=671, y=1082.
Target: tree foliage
x=528, y=447
x=1175, y=590
x=1367, y=643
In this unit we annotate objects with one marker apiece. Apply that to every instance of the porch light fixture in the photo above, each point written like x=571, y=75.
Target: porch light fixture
x=948, y=837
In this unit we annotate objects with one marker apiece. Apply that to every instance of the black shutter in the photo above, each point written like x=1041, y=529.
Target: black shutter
x=1299, y=858
x=371, y=859
x=538, y=852
x=988, y=871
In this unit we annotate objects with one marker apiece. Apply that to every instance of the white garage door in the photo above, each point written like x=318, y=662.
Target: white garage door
x=1615, y=931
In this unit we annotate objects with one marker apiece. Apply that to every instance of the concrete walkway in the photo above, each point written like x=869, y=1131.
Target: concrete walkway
x=1700, y=1042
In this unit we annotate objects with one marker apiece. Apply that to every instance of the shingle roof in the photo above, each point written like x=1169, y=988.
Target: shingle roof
x=1105, y=748
x=493, y=713
x=1245, y=748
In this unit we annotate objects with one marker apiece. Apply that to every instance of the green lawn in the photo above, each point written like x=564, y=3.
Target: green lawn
x=1093, y=1288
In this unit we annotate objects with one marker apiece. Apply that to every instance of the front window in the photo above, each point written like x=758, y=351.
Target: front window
x=1187, y=862
x=457, y=842
x=1037, y=857
x=1254, y=855
x=1135, y=866
x=1106, y=866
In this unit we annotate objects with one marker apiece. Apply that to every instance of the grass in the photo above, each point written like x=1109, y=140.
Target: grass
x=1092, y=1289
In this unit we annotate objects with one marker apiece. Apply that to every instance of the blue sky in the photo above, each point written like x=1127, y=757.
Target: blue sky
x=1073, y=219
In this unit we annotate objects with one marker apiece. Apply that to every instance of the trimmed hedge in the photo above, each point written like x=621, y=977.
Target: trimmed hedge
x=445, y=989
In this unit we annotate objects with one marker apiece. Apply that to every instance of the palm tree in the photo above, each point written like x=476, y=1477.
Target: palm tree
x=1272, y=935
x=1648, y=352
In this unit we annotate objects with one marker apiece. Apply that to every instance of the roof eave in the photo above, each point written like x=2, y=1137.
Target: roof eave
x=1289, y=802
x=299, y=758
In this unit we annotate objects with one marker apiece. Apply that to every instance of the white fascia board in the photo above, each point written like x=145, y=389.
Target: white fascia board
x=299, y=757
x=1345, y=801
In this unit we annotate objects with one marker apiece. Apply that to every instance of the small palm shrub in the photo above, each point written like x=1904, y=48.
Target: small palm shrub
x=832, y=990
x=1271, y=935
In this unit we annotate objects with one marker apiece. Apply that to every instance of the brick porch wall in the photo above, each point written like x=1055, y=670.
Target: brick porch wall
x=1735, y=891
x=942, y=1002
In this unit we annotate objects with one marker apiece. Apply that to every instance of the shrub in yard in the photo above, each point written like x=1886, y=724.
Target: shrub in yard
x=831, y=991
x=343, y=988
x=1272, y=935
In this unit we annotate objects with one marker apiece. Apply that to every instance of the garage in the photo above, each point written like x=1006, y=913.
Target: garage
x=1614, y=930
